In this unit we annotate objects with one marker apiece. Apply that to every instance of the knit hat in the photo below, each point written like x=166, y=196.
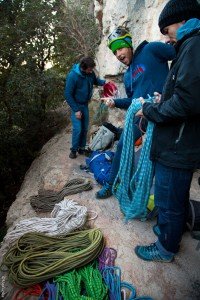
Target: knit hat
x=119, y=38
x=176, y=11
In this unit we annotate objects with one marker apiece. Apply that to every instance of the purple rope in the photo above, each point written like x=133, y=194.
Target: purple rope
x=107, y=258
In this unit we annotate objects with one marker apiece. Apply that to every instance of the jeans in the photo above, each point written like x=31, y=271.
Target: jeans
x=172, y=188
x=80, y=128
x=116, y=160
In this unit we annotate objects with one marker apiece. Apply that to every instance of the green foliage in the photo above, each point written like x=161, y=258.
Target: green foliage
x=40, y=40
x=78, y=32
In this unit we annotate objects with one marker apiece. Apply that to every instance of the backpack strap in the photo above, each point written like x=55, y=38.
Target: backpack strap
x=191, y=226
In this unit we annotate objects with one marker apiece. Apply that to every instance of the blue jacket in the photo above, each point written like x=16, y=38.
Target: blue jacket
x=147, y=72
x=79, y=87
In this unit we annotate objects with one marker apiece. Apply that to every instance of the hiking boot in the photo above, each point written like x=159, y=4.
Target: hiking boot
x=81, y=151
x=85, y=152
x=104, y=192
x=72, y=154
x=156, y=230
x=151, y=253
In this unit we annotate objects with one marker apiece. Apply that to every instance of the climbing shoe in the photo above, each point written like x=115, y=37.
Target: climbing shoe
x=72, y=154
x=156, y=230
x=151, y=253
x=104, y=192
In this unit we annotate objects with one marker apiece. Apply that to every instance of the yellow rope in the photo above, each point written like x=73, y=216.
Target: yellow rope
x=36, y=257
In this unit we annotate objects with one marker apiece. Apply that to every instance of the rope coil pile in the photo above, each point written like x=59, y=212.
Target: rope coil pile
x=132, y=187
x=66, y=217
x=45, y=200
x=88, y=278
x=36, y=257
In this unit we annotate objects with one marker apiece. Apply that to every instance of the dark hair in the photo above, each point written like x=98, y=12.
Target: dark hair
x=87, y=62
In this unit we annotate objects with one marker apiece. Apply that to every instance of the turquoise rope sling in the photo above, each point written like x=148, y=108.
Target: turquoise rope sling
x=132, y=187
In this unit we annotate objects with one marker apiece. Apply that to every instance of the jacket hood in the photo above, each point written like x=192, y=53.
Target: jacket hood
x=190, y=26
x=139, y=48
x=76, y=69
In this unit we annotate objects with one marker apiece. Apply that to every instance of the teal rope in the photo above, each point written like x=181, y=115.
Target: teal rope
x=132, y=187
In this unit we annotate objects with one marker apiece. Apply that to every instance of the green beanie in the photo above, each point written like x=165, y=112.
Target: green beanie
x=121, y=42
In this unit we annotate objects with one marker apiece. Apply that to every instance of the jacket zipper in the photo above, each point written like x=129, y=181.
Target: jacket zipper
x=179, y=136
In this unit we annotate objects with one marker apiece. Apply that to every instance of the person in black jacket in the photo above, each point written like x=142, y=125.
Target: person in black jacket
x=175, y=146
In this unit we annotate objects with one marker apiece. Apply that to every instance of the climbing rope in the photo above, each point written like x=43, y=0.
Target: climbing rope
x=45, y=200
x=49, y=292
x=66, y=217
x=36, y=257
x=107, y=258
x=35, y=290
x=112, y=278
x=132, y=187
x=101, y=113
x=84, y=283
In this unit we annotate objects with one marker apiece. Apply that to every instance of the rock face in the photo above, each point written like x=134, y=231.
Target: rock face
x=143, y=19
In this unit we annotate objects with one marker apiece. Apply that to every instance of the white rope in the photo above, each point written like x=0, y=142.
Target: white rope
x=66, y=217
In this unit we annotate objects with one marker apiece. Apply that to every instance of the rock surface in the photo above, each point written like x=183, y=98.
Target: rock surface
x=179, y=280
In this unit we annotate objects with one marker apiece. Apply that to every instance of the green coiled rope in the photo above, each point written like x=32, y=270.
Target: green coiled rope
x=88, y=278
x=35, y=257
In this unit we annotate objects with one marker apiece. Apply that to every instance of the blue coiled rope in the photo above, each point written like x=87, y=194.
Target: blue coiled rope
x=112, y=278
x=132, y=187
x=50, y=290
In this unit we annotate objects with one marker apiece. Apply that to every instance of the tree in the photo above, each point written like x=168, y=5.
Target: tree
x=40, y=40
x=79, y=34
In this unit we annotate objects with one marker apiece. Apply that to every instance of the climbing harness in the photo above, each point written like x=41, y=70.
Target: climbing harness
x=36, y=257
x=45, y=200
x=132, y=187
x=66, y=217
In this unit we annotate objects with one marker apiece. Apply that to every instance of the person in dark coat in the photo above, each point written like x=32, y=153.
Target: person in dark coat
x=78, y=92
x=175, y=146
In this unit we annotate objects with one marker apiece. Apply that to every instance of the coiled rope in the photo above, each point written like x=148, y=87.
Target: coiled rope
x=21, y=294
x=36, y=257
x=49, y=292
x=112, y=278
x=45, y=200
x=107, y=258
x=132, y=187
x=66, y=217
x=84, y=283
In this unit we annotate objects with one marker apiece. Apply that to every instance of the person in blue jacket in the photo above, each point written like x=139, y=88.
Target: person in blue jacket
x=146, y=74
x=78, y=92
